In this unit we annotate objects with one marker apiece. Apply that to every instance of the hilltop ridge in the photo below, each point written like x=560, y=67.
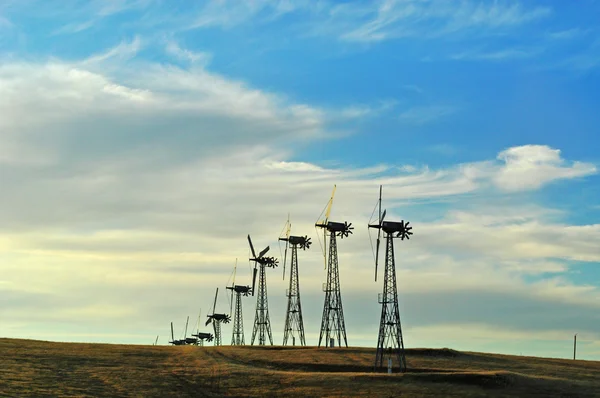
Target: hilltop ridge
x=31, y=368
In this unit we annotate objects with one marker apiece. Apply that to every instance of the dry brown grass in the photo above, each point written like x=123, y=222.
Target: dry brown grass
x=30, y=368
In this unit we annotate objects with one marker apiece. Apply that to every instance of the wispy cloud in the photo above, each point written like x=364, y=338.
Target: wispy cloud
x=501, y=55
x=444, y=149
x=427, y=114
x=227, y=13
x=414, y=88
x=360, y=111
x=582, y=62
x=105, y=8
x=394, y=19
x=4, y=22
x=124, y=50
x=173, y=48
x=568, y=34
x=74, y=27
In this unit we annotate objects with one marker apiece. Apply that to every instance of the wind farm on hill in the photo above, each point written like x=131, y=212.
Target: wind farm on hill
x=390, y=342
x=34, y=368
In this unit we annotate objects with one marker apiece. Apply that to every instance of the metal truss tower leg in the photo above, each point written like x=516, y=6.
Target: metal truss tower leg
x=238, y=322
x=294, y=324
x=332, y=323
x=390, y=330
x=217, y=328
x=262, y=324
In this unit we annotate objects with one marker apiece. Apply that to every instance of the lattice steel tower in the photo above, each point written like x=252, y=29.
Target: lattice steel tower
x=294, y=325
x=390, y=329
x=262, y=324
x=237, y=337
x=332, y=322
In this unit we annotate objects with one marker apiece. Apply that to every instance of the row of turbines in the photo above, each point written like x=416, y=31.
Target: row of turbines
x=333, y=327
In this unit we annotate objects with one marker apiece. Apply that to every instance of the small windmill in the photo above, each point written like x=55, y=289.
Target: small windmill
x=173, y=341
x=237, y=337
x=189, y=340
x=332, y=323
x=216, y=320
x=293, y=317
x=262, y=324
x=201, y=336
x=390, y=329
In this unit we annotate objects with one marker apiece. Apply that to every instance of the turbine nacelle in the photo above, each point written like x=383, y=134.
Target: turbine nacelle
x=204, y=336
x=221, y=317
x=340, y=229
x=400, y=229
x=177, y=342
x=270, y=262
x=245, y=290
x=302, y=241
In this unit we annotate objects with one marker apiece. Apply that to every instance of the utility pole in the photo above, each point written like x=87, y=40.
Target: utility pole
x=574, y=346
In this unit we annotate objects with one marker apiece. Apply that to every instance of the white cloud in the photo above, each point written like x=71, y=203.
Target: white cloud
x=520, y=237
x=531, y=166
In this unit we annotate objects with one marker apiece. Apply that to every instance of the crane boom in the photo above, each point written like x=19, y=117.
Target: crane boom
x=328, y=212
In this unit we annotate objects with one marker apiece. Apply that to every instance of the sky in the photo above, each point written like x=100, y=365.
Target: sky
x=142, y=140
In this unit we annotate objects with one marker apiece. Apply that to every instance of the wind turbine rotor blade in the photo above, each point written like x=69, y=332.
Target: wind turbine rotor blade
x=198, y=322
x=215, y=303
x=325, y=247
x=251, y=246
x=207, y=321
x=232, y=287
x=186, y=326
x=254, y=280
x=262, y=253
x=382, y=217
x=285, y=255
x=172, y=334
x=234, y=272
x=377, y=256
x=380, y=189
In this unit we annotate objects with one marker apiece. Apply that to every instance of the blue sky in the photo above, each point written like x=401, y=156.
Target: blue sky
x=140, y=141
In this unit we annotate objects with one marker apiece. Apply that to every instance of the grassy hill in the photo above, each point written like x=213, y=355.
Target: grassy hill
x=39, y=369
